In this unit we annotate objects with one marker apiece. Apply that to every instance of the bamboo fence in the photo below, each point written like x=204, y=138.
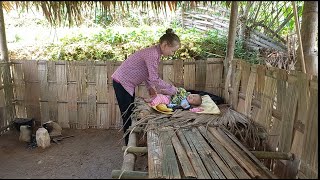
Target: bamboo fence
x=284, y=102
x=218, y=19
x=80, y=95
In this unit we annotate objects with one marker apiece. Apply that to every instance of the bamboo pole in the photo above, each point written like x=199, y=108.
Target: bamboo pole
x=299, y=36
x=118, y=174
x=135, y=149
x=7, y=80
x=272, y=155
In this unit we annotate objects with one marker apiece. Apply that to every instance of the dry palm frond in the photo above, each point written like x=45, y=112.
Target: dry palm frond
x=74, y=11
x=242, y=127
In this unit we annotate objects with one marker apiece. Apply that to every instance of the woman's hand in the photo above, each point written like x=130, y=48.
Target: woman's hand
x=152, y=92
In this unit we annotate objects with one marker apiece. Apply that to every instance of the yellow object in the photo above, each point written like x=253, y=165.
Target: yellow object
x=164, y=108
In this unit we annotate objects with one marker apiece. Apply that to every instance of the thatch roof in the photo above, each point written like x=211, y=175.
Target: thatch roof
x=73, y=11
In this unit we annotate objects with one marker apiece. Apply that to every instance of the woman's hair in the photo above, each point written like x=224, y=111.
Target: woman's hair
x=170, y=37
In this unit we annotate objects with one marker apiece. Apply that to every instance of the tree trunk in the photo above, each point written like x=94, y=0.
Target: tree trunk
x=309, y=29
x=230, y=48
x=6, y=75
x=231, y=35
x=243, y=21
x=3, y=41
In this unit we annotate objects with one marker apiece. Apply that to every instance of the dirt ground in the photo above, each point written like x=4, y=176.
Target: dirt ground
x=91, y=153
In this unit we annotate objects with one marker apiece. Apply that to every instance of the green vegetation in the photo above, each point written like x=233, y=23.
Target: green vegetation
x=115, y=44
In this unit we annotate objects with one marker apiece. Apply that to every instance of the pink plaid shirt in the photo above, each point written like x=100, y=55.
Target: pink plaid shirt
x=142, y=66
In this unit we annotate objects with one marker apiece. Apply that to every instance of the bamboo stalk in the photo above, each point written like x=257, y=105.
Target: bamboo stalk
x=129, y=158
x=272, y=155
x=119, y=174
x=135, y=149
x=299, y=36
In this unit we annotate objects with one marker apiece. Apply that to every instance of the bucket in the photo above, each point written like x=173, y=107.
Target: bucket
x=17, y=122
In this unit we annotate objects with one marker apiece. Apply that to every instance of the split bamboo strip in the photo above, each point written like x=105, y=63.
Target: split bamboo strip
x=91, y=96
x=72, y=94
x=259, y=87
x=225, y=171
x=310, y=141
x=189, y=74
x=214, y=76
x=302, y=107
x=19, y=89
x=63, y=116
x=288, y=115
x=264, y=115
x=194, y=157
x=210, y=165
x=245, y=73
x=201, y=69
x=155, y=154
x=273, y=139
x=185, y=163
x=238, y=155
x=112, y=101
x=42, y=76
x=168, y=72
x=102, y=95
x=82, y=96
x=225, y=156
x=178, y=73
x=249, y=91
x=264, y=170
x=170, y=169
x=32, y=90
x=52, y=100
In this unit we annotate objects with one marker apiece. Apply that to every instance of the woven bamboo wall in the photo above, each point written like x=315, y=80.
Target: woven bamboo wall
x=80, y=94
x=286, y=103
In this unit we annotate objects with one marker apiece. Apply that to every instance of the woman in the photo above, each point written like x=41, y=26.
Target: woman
x=142, y=66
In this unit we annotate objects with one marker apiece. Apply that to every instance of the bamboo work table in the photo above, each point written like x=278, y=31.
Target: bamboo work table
x=184, y=145
x=197, y=152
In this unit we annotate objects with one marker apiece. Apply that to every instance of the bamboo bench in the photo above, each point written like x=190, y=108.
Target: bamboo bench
x=198, y=152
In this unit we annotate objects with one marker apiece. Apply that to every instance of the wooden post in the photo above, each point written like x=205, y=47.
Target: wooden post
x=231, y=36
x=230, y=47
x=9, y=110
x=300, y=49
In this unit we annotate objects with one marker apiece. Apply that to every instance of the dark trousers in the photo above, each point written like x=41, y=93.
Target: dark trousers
x=124, y=100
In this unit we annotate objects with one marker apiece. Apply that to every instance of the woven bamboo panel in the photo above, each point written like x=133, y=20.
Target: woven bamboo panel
x=19, y=89
x=44, y=95
x=63, y=116
x=214, y=76
x=32, y=90
x=189, y=74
